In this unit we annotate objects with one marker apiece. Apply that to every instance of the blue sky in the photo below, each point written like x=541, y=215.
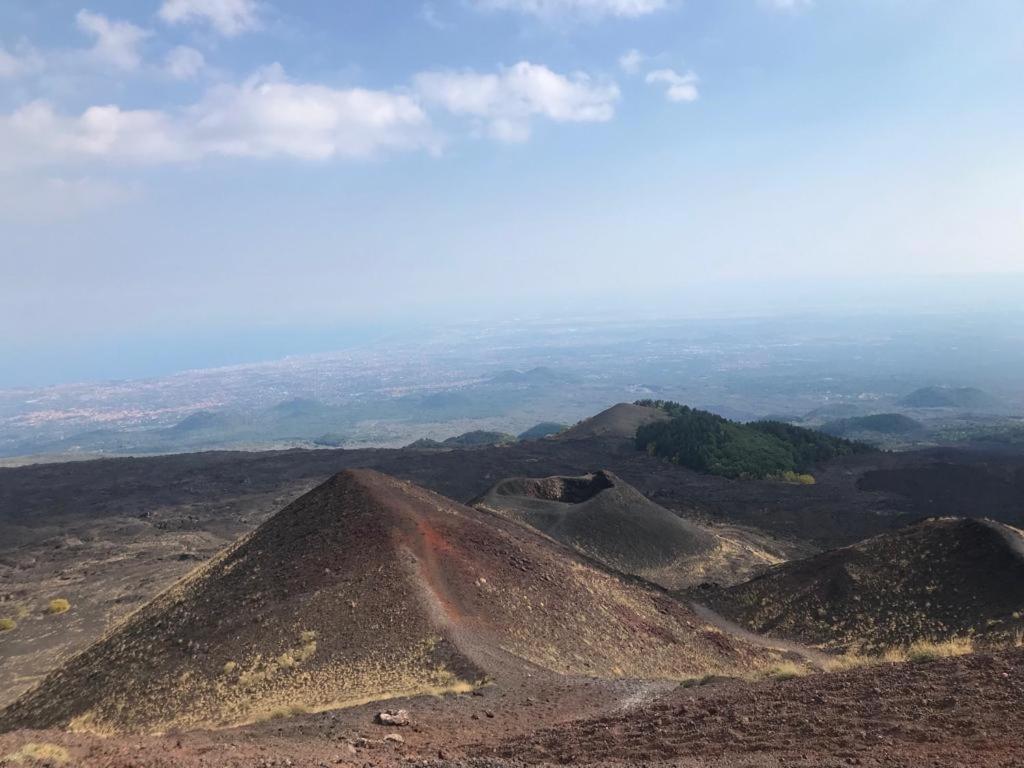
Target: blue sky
x=171, y=168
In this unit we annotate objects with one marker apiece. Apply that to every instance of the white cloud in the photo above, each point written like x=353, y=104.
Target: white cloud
x=229, y=17
x=428, y=13
x=117, y=42
x=592, y=9
x=787, y=5
x=37, y=134
x=508, y=101
x=630, y=61
x=680, y=87
x=24, y=61
x=184, y=63
x=269, y=115
x=265, y=116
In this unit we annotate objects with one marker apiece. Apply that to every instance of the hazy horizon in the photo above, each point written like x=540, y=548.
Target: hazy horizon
x=124, y=354
x=173, y=172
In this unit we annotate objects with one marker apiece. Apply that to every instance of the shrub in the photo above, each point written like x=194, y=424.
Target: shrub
x=6, y=624
x=58, y=605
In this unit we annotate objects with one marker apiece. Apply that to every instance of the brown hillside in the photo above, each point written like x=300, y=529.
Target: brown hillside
x=605, y=518
x=366, y=588
x=934, y=580
x=621, y=420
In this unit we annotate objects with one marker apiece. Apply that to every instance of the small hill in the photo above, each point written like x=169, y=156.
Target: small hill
x=542, y=430
x=949, y=397
x=833, y=412
x=479, y=437
x=895, y=424
x=330, y=440
x=934, y=580
x=368, y=588
x=476, y=439
x=425, y=444
x=621, y=420
x=604, y=518
x=202, y=421
x=709, y=443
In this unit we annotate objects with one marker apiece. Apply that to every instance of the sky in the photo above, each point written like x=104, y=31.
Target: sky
x=183, y=174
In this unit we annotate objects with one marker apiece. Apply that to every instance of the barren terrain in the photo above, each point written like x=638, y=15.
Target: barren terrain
x=527, y=652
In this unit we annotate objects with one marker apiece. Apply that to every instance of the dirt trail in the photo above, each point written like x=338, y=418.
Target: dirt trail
x=817, y=659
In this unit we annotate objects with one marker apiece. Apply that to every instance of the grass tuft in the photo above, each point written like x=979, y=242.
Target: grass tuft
x=58, y=605
x=35, y=752
x=6, y=624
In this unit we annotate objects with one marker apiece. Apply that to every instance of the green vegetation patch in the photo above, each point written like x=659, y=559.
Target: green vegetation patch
x=709, y=443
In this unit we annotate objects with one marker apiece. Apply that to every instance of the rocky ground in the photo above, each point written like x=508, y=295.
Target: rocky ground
x=109, y=535
x=966, y=711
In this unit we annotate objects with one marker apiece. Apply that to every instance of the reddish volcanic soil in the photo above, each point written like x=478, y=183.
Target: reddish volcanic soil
x=967, y=711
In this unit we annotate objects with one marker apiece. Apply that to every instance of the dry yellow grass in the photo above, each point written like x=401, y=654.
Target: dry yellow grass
x=6, y=624
x=925, y=650
x=850, y=660
x=922, y=650
x=58, y=605
x=35, y=752
x=894, y=655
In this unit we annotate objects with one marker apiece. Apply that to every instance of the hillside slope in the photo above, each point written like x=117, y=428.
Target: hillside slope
x=621, y=420
x=935, y=580
x=367, y=588
x=605, y=518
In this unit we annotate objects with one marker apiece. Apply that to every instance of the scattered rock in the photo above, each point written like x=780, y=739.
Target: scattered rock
x=393, y=717
x=394, y=738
